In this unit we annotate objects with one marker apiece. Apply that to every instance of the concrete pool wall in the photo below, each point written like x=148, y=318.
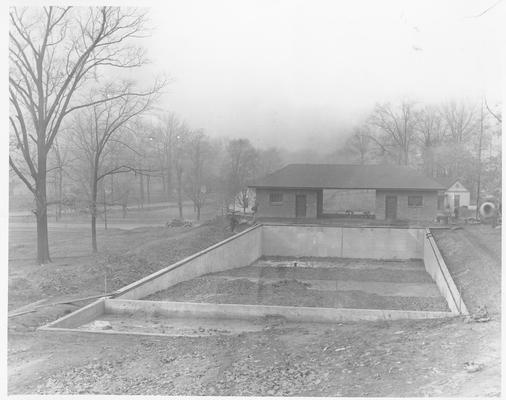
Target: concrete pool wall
x=284, y=240
x=342, y=242
x=437, y=269
x=237, y=251
x=248, y=246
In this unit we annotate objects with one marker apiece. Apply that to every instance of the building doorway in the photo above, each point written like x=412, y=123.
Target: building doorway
x=456, y=200
x=391, y=207
x=300, y=205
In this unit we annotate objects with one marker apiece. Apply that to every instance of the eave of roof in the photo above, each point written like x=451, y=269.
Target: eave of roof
x=344, y=176
x=344, y=188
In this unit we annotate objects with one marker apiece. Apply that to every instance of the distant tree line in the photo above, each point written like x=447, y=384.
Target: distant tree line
x=454, y=139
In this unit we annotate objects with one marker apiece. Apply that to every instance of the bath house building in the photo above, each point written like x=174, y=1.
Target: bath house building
x=314, y=191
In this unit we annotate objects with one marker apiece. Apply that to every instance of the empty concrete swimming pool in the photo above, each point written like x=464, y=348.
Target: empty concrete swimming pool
x=303, y=273
x=333, y=283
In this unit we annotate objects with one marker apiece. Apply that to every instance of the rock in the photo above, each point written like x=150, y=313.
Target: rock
x=101, y=325
x=481, y=315
x=472, y=367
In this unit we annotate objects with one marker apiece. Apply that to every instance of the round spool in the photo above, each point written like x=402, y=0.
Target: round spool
x=487, y=210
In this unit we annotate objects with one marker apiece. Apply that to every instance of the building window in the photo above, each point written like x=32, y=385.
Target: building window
x=276, y=198
x=415, y=201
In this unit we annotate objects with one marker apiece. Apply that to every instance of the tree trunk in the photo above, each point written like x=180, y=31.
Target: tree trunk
x=94, y=232
x=41, y=212
x=112, y=188
x=198, y=212
x=179, y=192
x=105, y=207
x=479, y=166
x=148, y=180
x=169, y=184
x=162, y=177
x=141, y=190
x=60, y=192
x=169, y=171
x=93, y=210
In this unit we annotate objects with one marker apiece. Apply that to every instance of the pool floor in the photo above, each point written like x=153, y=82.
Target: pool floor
x=334, y=283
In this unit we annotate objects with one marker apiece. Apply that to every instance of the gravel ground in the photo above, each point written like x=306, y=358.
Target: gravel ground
x=397, y=359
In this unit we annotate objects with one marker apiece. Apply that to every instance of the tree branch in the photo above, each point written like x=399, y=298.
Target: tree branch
x=21, y=176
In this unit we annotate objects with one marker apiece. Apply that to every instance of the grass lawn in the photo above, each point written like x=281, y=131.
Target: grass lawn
x=398, y=358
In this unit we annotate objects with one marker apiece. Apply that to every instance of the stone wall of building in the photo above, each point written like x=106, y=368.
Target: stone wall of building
x=426, y=212
x=286, y=208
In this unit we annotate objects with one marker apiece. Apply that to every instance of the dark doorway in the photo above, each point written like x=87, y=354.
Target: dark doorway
x=456, y=200
x=391, y=207
x=300, y=205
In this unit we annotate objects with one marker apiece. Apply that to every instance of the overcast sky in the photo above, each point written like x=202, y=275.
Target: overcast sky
x=301, y=73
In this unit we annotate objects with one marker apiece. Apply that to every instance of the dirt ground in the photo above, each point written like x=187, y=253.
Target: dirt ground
x=474, y=256
x=401, y=358
x=311, y=286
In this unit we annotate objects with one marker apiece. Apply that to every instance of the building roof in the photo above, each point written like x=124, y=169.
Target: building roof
x=447, y=181
x=344, y=176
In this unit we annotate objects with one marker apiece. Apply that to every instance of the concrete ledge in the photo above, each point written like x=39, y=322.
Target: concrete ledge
x=246, y=311
x=437, y=269
x=237, y=251
x=348, y=224
x=78, y=317
x=113, y=332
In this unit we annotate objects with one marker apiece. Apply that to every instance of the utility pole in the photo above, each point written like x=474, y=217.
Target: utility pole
x=479, y=162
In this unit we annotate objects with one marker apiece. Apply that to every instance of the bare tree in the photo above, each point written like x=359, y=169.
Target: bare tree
x=462, y=121
x=496, y=114
x=360, y=143
x=462, y=124
x=241, y=166
x=397, y=125
x=179, y=161
x=54, y=53
x=198, y=152
x=97, y=132
x=165, y=135
x=431, y=127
